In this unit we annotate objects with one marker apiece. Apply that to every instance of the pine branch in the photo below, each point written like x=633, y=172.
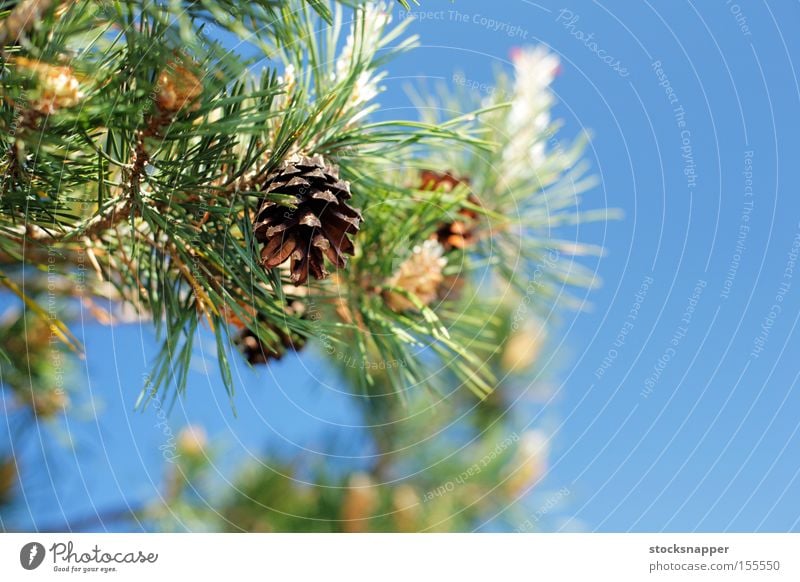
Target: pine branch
x=158, y=149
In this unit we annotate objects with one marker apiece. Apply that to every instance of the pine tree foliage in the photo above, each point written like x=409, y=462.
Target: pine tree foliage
x=147, y=149
x=138, y=149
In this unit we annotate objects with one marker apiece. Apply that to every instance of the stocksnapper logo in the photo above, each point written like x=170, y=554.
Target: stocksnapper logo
x=31, y=555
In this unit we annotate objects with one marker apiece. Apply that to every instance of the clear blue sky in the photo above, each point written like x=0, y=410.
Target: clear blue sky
x=707, y=439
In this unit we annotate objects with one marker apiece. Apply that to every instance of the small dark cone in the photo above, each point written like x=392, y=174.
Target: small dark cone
x=318, y=225
x=432, y=180
x=460, y=233
x=257, y=352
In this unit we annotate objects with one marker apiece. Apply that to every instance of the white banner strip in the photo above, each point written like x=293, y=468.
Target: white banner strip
x=398, y=557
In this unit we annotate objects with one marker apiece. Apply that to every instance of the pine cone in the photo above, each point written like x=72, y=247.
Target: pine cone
x=460, y=233
x=435, y=180
x=317, y=226
x=420, y=274
x=178, y=88
x=257, y=352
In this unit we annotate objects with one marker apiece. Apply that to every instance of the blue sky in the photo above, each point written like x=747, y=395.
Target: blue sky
x=710, y=445
x=693, y=423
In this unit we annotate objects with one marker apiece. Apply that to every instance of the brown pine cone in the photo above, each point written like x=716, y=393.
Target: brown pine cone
x=318, y=224
x=257, y=352
x=460, y=233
